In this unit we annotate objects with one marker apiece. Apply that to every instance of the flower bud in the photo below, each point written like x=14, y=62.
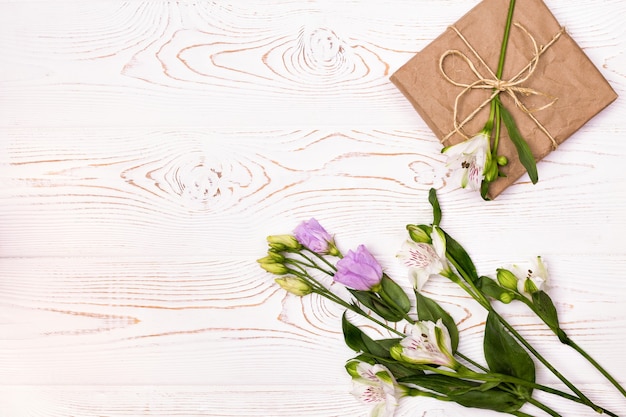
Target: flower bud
x=507, y=279
x=351, y=368
x=418, y=234
x=502, y=160
x=530, y=287
x=281, y=243
x=294, y=285
x=275, y=256
x=491, y=170
x=506, y=297
x=359, y=270
x=273, y=263
x=312, y=235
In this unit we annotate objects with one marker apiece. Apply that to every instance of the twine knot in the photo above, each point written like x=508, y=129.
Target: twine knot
x=512, y=87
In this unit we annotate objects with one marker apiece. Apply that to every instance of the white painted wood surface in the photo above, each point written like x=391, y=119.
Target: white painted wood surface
x=148, y=147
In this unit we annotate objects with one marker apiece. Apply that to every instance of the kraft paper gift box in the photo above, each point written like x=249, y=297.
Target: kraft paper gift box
x=567, y=89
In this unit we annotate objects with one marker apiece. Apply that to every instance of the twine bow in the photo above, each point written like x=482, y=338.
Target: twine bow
x=512, y=87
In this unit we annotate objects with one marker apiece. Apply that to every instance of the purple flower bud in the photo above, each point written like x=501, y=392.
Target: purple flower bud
x=359, y=270
x=314, y=237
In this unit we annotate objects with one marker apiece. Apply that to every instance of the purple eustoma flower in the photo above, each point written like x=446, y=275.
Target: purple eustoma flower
x=313, y=236
x=359, y=270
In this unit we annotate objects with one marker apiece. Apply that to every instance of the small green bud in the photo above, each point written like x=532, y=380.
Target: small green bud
x=273, y=265
x=275, y=256
x=333, y=250
x=295, y=285
x=491, y=170
x=502, y=160
x=530, y=287
x=419, y=234
x=506, y=297
x=507, y=279
x=351, y=368
x=284, y=243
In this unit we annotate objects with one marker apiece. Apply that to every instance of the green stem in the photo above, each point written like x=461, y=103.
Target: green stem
x=567, y=341
x=467, y=285
x=495, y=109
x=358, y=310
x=311, y=263
x=520, y=414
x=472, y=362
x=505, y=39
x=498, y=120
x=465, y=373
x=414, y=392
x=599, y=367
x=322, y=258
x=543, y=407
x=479, y=296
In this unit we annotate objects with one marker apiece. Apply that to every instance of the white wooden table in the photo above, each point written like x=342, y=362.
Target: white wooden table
x=148, y=147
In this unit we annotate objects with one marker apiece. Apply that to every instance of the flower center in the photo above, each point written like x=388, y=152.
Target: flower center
x=373, y=395
x=421, y=256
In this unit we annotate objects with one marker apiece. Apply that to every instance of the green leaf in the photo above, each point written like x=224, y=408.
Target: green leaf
x=352, y=335
x=394, y=296
x=373, y=302
x=468, y=393
x=429, y=310
x=442, y=384
x=545, y=309
x=432, y=199
x=523, y=150
x=504, y=355
x=360, y=342
x=490, y=288
x=492, y=399
x=460, y=259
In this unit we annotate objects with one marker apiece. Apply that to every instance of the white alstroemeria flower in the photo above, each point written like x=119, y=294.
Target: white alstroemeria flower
x=532, y=278
x=469, y=159
x=427, y=344
x=424, y=259
x=375, y=385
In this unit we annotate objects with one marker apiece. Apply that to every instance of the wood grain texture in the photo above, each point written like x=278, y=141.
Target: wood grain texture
x=148, y=147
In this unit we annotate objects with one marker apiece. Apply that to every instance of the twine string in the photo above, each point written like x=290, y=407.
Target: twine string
x=513, y=87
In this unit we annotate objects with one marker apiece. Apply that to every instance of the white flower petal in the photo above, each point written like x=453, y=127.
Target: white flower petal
x=469, y=158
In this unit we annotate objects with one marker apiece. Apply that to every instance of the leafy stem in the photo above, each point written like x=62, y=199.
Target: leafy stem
x=544, y=361
x=505, y=39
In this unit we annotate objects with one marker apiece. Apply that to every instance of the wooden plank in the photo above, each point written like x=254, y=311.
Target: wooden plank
x=191, y=321
x=147, y=148
x=136, y=192
x=212, y=64
x=271, y=400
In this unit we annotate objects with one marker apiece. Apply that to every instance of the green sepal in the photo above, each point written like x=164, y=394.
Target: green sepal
x=460, y=259
x=420, y=233
x=394, y=296
x=523, y=150
x=373, y=301
x=429, y=310
x=398, y=369
x=434, y=202
x=504, y=355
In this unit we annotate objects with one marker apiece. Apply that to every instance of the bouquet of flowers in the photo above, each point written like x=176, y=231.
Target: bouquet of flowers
x=423, y=358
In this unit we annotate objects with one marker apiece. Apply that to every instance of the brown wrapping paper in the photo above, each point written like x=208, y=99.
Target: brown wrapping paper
x=564, y=72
